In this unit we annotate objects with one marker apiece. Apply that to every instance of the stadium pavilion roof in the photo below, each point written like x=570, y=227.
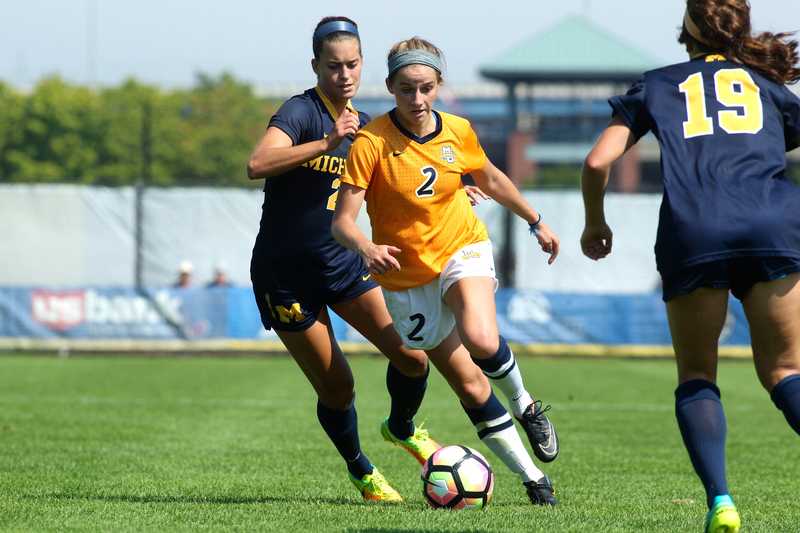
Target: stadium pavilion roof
x=574, y=50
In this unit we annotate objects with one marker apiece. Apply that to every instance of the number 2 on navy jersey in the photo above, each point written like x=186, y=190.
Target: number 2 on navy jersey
x=334, y=195
x=733, y=87
x=426, y=189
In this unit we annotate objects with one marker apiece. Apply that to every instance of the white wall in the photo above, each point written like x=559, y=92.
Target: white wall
x=74, y=235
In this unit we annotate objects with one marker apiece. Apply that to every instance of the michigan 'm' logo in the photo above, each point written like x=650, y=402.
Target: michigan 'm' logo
x=292, y=314
x=285, y=314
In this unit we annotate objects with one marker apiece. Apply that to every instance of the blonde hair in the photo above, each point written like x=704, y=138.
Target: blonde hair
x=416, y=43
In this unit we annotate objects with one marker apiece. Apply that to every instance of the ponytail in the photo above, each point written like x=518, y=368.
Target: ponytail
x=771, y=54
x=724, y=27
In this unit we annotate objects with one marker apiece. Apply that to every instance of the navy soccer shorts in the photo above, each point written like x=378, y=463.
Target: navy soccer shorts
x=737, y=274
x=290, y=299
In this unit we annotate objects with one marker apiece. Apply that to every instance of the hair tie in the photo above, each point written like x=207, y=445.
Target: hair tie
x=533, y=227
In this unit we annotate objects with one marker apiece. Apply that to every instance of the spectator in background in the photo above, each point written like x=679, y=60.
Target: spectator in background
x=184, y=275
x=220, y=278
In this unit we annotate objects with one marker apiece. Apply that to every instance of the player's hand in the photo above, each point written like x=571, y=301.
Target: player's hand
x=380, y=259
x=345, y=126
x=596, y=241
x=475, y=195
x=548, y=241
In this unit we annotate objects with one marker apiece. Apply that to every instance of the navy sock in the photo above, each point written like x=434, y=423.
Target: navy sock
x=406, y=393
x=498, y=365
x=786, y=396
x=703, y=427
x=342, y=429
x=490, y=417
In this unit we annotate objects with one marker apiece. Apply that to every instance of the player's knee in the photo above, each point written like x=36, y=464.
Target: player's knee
x=481, y=341
x=416, y=364
x=334, y=398
x=336, y=392
x=411, y=363
x=475, y=390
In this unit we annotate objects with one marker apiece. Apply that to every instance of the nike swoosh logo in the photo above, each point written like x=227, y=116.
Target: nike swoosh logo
x=550, y=446
x=365, y=278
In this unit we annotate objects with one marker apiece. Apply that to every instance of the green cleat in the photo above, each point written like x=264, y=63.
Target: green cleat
x=420, y=445
x=374, y=488
x=723, y=516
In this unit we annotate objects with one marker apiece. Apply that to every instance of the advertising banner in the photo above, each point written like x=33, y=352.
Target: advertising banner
x=524, y=316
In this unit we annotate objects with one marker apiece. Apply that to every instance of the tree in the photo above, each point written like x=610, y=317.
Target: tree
x=58, y=133
x=222, y=120
x=11, y=104
x=68, y=133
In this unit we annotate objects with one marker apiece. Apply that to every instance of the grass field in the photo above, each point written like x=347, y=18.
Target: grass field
x=165, y=444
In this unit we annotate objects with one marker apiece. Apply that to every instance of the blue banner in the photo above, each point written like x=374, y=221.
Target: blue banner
x=533, y=317
x=524, y=316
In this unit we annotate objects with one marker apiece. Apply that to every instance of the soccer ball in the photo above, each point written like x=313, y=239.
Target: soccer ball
x=457, y=477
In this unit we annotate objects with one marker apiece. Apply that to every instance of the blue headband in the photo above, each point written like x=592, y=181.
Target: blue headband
x=333, y=27
x=414, y=57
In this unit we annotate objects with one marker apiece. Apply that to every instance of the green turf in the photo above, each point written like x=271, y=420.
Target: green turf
x=165, y=444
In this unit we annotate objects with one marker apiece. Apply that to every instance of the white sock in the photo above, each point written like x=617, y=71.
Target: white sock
x=507, y=445
x=512, y=386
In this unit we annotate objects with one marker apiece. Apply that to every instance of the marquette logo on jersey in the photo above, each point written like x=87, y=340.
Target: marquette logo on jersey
x=327, y=163
x=470, y=254
x=448, y=154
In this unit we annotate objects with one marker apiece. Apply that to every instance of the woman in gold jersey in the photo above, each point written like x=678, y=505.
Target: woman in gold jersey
x=432, y=255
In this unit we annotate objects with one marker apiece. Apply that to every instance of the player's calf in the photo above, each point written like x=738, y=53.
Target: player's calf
x=496, y=429
x=786, y=396
x=502, y=369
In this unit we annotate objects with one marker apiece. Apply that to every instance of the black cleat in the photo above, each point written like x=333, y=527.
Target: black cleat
x=541, y=492
x=540, y=431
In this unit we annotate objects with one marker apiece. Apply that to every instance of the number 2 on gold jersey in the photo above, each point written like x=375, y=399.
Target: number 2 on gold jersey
x=426, y=189
x=733, y=87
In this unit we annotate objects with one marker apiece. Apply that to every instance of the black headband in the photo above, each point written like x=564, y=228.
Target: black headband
x=333, y=27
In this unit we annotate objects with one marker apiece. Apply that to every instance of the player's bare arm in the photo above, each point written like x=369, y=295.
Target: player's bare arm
x=615, y=140
x=497, y=185
x=275, y=154
x=379, y=258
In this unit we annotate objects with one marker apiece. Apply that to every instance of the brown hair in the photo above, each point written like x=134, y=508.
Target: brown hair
x=725, y=26
x=335, y=36
x=416, y=43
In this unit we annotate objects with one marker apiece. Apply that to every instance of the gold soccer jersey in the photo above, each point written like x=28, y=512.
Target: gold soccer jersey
x=415, y=199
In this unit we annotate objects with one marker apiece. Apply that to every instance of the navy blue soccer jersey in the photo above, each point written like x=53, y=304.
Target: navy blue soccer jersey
x=724, y=130
x=297, y=267
x=299, y=204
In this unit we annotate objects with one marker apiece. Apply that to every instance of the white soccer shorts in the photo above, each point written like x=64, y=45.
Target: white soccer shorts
x=420, y=315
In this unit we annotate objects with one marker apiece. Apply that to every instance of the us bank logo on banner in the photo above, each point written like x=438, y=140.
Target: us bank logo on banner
x=89, y=309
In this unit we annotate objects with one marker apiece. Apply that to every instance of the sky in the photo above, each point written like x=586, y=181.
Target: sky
x=268, y=42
